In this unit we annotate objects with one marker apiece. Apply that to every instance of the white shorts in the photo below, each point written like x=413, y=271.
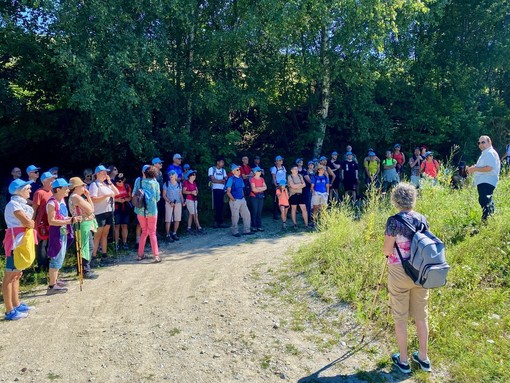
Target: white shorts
x=176, y=210
x=192, y=206
x=320, y=199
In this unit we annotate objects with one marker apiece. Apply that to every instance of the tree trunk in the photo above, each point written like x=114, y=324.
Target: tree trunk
x=325, y=92
x=188, y=86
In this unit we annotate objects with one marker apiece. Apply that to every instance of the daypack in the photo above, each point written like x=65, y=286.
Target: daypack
x=138, y=199
x=427, y=265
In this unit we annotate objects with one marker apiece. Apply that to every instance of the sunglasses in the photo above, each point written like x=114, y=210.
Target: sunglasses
x=119, y=181
x=481, y=142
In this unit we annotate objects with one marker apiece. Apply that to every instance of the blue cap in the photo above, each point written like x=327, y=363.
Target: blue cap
x=144, y=168
x=334, y=153
x=101, y=168
x=348, y=154
x=172, y=173
x=156, y=160
x=60, y=183
x=371, y=153
x=428, y=154
x=53, y=169
x=278, y=158
x=370, y=150
x=234, y=167
x=256, y=169
x=187, y=166
x=282, y=183
x=189, y=173
x=32, y=168
x=315, y=159
x=323, y=158
x=47, y=175
x=18, y=183
x=396, y=146
x=310, y=162
x=177, y=156
x=298, y=160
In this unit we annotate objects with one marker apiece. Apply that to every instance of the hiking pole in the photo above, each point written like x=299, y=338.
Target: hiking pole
x=375, y=297
x=77, y=235
x=112, y=202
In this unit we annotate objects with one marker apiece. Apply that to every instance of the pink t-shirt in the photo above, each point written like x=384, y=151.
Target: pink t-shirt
x=189, y=187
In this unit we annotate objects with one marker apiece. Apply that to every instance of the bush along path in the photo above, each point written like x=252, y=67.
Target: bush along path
x=217, y=309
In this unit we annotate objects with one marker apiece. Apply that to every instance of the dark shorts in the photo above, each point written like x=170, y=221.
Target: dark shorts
x=122, y=217
x=104, y=219
x=350, y=185
x=297, y=199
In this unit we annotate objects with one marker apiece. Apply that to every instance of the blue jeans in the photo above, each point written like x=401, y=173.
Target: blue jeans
x=257, y=204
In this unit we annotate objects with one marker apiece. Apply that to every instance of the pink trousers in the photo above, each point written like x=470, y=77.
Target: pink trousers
x=148, y=225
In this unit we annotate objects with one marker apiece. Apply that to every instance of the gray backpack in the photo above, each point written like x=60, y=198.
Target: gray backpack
x=427, y=265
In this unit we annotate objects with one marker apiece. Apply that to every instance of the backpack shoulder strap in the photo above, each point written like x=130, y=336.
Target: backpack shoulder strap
x=404, y=221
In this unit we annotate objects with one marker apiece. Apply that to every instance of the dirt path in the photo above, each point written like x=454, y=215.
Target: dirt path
x=202, y=315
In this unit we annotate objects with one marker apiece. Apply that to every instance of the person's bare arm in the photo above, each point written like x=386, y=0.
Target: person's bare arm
x=24, y=219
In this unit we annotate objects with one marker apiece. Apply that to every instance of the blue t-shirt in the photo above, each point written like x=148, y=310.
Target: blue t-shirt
x=236, y=185
x=177, y=169
x=320, y=183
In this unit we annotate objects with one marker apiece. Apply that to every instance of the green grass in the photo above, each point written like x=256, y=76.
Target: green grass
x=469, y=318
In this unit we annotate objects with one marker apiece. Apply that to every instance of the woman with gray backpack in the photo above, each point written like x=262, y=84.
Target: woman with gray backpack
x=406, y=297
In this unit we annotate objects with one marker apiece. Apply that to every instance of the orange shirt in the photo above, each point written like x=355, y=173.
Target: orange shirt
x=283, y=197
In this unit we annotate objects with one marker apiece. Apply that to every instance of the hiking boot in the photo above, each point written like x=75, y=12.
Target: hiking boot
x=90, y=275
x=200, y=231
x=237, y=235
x=116, y=247
x=125, y=246
x=175, y=237
x=56, y=289
x=62, y=283
x=169, y=238
x=189, y=231
x=284, y=226
x=424, y=364
x=260, y=229
x=23, y=308
x=404, y=368
x=15, y=315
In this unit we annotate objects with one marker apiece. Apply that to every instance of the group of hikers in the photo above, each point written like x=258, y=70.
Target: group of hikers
x=53, y=208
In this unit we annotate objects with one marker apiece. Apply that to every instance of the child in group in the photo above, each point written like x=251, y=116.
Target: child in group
x=390, y=176
x=190, y=191
x=283, y=201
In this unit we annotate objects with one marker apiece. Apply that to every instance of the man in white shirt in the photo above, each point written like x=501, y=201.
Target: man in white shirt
x=486, y=175
x=218, y=177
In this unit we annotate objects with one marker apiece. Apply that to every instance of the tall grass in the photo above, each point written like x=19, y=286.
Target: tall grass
x=470, y=317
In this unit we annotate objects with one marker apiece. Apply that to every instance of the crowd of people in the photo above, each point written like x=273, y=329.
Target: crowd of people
x=54, y=208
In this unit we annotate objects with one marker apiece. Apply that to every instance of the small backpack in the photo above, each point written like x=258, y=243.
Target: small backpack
x=138, y=199
x=427, y=265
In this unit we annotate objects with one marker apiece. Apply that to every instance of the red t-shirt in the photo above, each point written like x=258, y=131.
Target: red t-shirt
x=258, y=182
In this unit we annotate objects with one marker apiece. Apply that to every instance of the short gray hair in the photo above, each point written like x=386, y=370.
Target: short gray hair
x=403, y=196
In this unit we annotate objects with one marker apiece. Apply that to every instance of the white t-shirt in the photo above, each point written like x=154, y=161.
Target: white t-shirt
x=489, y=157
x=280, y=174
x=218, y=174
x=99, y=189
x=15, y=204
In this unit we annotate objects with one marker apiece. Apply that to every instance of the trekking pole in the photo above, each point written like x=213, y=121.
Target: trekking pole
x=375, y=297
x=112, y=202
x=77, y=235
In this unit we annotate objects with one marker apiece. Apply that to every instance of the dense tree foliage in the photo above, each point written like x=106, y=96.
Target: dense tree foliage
x=94, y=81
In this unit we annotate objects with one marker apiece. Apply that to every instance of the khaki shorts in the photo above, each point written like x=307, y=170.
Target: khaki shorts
x=320, y=199
x=406, y=298
x=176, y=210
x=192, y=206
